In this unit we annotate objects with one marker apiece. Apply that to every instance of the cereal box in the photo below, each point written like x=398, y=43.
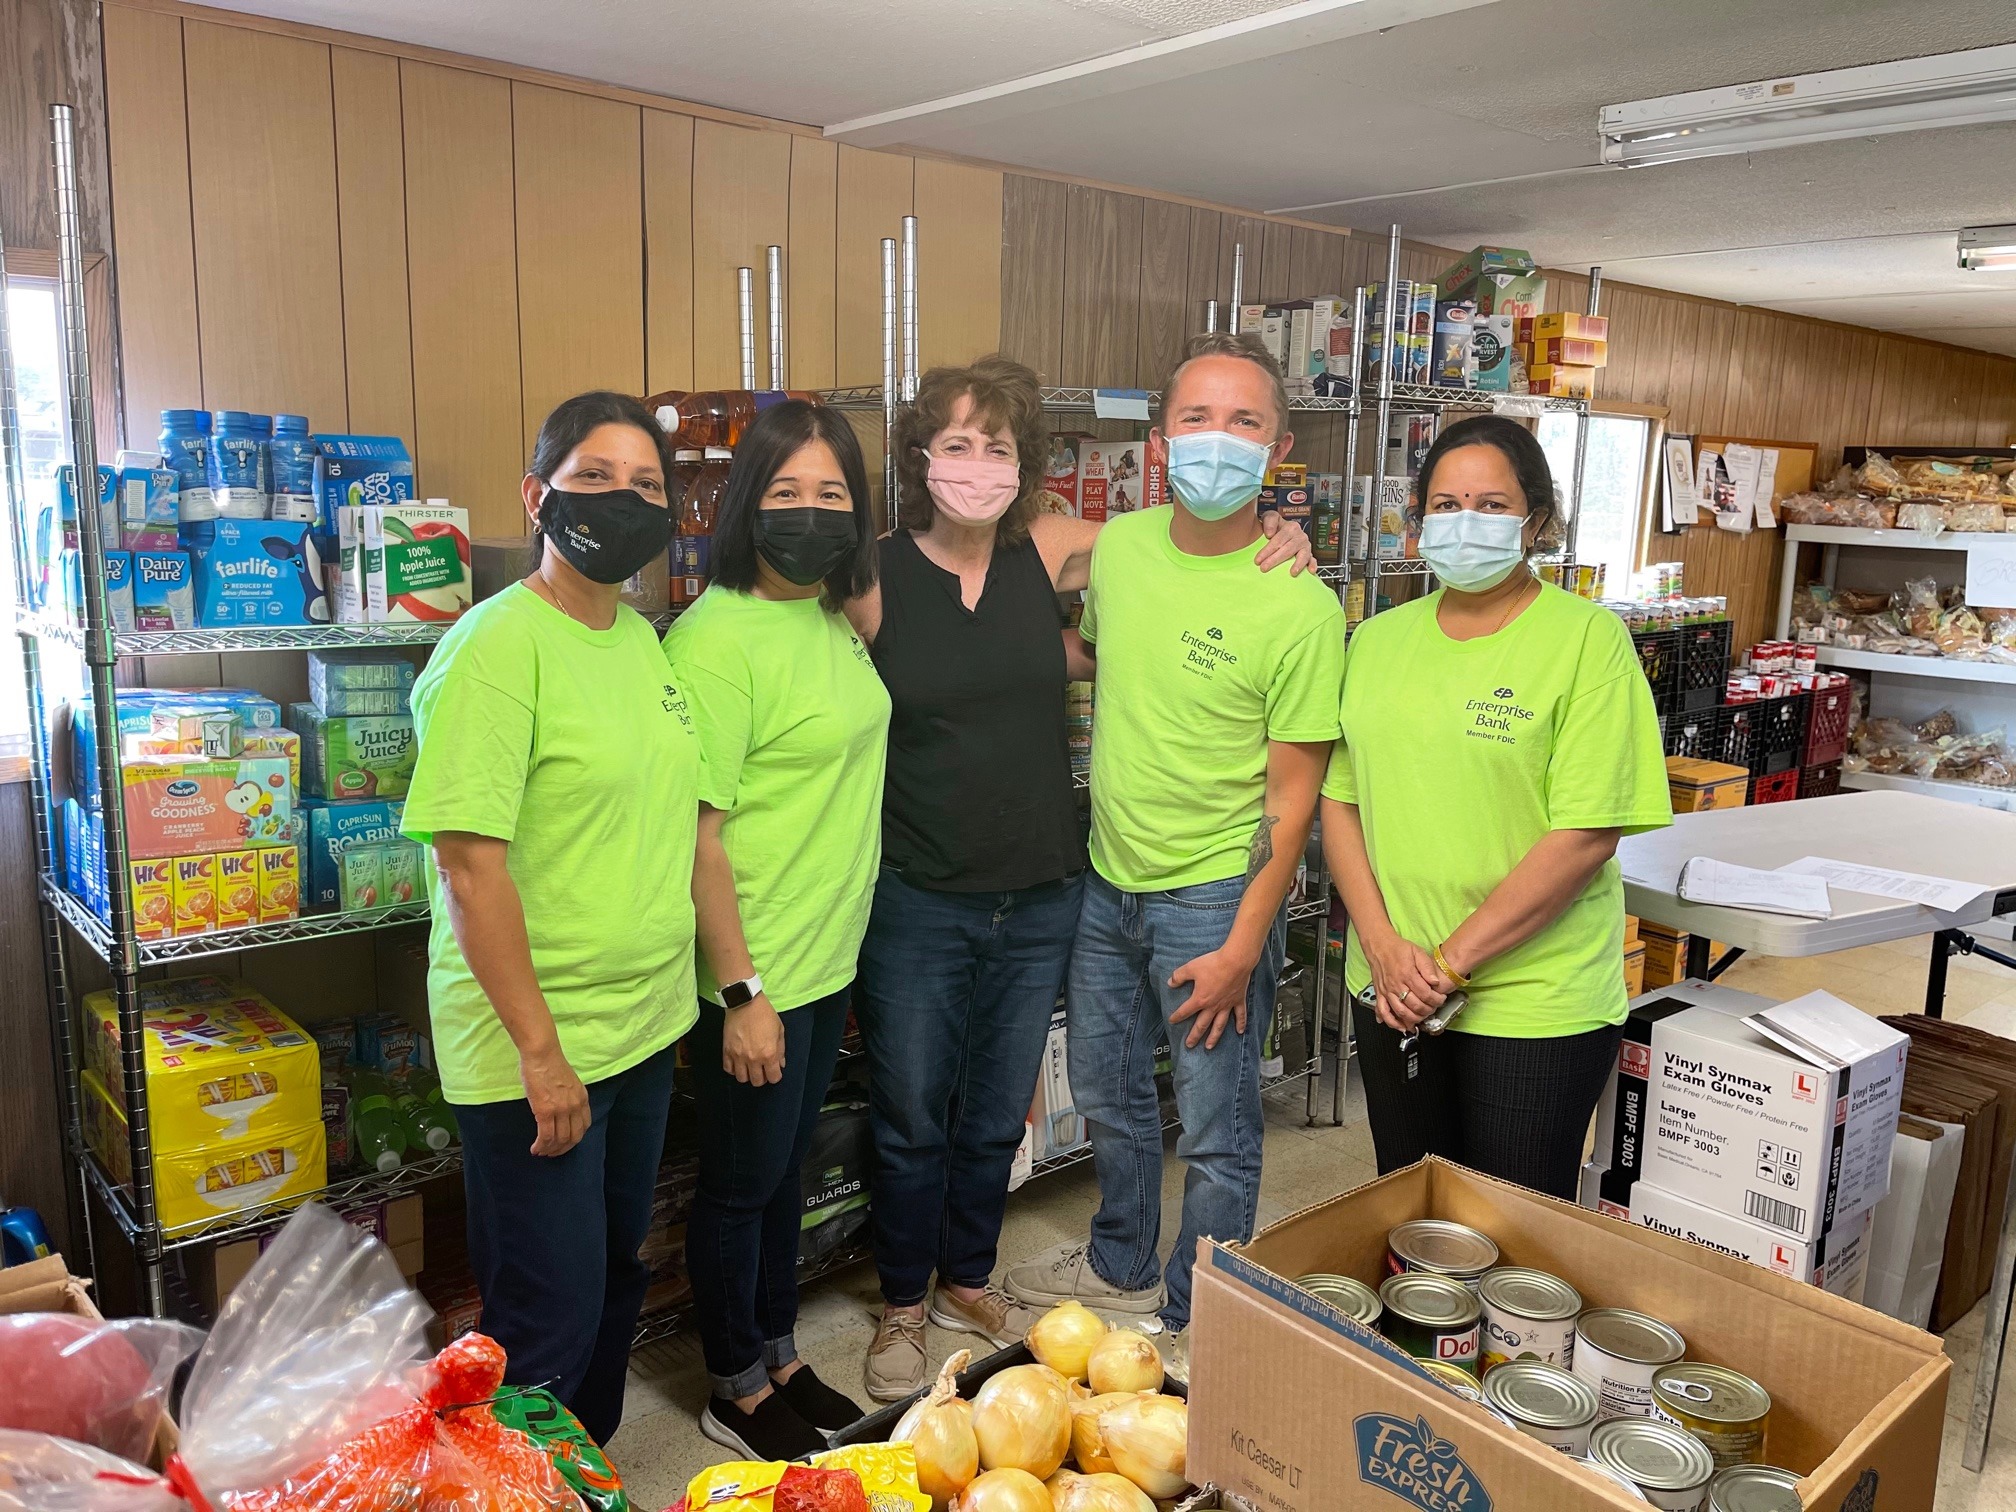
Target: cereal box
x=279, y=883
x=1112, y=479
x=354, y=757
x=416, y=561
x=153, y=898
x=1060, y=476
x=190, y=805
x=238, y=886
x=195, y=883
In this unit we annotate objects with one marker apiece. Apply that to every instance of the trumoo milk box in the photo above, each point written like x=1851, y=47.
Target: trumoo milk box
x=1783, y=1117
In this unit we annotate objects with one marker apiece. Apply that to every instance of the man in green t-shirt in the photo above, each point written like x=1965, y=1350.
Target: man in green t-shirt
x=1216, y=707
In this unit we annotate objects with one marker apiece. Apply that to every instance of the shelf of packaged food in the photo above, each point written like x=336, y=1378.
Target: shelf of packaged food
x=349, y=1192
x=236, y=638
x=1897, y=540
x=98, y=935
x=1945, y=668
x=1977, y=793
x=1407, y=395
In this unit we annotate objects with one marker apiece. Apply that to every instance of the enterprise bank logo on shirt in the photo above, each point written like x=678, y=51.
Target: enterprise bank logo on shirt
x=675, y=703
x=1498, y=717
x=1205, y=654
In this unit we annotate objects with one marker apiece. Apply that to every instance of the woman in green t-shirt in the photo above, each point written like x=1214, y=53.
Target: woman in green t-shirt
x=558, y=787
x=1498, y=741
x=793, y=724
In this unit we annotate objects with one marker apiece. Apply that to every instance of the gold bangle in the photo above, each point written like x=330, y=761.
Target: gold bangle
x=1442, y=965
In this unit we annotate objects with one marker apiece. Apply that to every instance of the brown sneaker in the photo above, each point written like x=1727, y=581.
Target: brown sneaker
x=895, y=1367
x=993, y=1315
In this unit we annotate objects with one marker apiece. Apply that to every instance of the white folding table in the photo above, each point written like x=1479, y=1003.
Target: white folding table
x=1899, y=831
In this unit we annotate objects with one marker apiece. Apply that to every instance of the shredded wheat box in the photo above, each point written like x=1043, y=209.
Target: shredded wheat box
x=1296, y=1408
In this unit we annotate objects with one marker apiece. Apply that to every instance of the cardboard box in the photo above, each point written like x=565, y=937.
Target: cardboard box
x=260, y=573
x=215, y=1271
x=1569, y=351
x=237, y=878
x=1696, y=786
x=415, y=561
x=1560, y=381
x=1634, y=969
x=1112, y=478
x=188, y=805
x=1630, y=930
x=1555, y=323
x=1299, y=1409
x=1837, y=1262
x=1784, y=1116
x=194, y=879
x=1502, y=280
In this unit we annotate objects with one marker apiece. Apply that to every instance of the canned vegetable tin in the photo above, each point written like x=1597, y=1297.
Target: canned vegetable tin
x=1441, y=1247
x=1672, y=1468
x=1544, y=1402
x=1627, y=1486
x=1723, y=1408
x=1457, y=1380
x=1617, y=1351
x=1430, y=1317
x=1527, y=1315
x=1754, y=1488
x=1354, y=1299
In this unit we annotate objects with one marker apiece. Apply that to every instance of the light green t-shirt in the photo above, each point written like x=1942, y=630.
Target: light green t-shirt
x=1460, y=755
x=794, y=722
x=1202, y=661
x=575, y=746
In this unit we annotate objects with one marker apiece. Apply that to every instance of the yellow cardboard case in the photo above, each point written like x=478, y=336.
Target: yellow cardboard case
x=1297, y=1408
x=222, y=1062
x=201, y=1184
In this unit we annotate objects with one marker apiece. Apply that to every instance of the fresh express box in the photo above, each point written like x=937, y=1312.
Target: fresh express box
x=1297, y=1408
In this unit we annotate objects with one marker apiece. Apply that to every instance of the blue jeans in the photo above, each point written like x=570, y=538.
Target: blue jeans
x=742, y=1237
x=553, y=1240
x=1119, y=1007
x=958, y=992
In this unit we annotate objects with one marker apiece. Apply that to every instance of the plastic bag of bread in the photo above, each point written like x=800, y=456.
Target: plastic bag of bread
x=1936, y=726
x=1877, y=476
x=1807, y=509
x=1925, y=516
x=1960, y=755
x=1958, y=633
x=1976, y=515
x=1921, y=607
x=1861, y=600
x=1996, y=769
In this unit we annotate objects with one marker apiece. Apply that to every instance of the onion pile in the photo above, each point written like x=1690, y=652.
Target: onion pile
x=1022, y=1419
x=1004, y=1491
x=1147, y=1437
x=1124, y=1361
x=940, y=1429
x=1098, y=1493
x=1088, y=1444
x=1064, y=1338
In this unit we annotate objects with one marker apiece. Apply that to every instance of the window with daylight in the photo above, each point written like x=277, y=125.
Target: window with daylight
x=35, y=325
x=1614, y=487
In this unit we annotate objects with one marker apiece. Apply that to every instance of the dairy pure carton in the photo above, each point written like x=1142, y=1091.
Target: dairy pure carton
x=1784, y=1116
x=416, y=561
x=164, y=592
x=1836, y=1262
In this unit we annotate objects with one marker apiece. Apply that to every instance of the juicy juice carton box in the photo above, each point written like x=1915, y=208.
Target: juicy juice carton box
x=260, y=572
x=349, y=757
x=191, y=805
x=334, y=828
x=164, y=591
x=416, y=561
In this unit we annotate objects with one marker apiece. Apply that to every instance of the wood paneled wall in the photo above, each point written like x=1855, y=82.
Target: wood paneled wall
x=1100, y=287
x=441, y=249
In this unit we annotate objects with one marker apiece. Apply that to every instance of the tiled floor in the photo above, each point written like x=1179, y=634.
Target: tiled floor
x=659, y=1448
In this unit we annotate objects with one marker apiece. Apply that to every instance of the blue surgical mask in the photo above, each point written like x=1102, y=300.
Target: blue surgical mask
x=1215, y=474
x=1472, y=551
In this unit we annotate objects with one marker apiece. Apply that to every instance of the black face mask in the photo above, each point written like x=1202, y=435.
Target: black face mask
x=606, y=537
x=805, y=544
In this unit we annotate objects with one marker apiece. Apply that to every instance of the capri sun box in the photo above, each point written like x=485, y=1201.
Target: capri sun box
x=1297, y=1408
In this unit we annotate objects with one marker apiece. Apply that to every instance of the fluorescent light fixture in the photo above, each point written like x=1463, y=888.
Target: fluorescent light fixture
x=1917, y=94
x=1988, y=249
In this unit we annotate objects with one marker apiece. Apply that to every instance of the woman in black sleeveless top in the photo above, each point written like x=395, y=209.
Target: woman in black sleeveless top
x=983, y=849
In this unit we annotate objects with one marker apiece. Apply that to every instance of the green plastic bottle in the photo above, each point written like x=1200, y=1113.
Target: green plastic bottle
x=423, y=1118
x=374, y=1115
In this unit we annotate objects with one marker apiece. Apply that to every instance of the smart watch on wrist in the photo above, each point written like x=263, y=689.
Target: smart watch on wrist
x=737, y=994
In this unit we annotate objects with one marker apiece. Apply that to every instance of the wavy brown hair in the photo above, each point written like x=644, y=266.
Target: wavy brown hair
x=1006, y=397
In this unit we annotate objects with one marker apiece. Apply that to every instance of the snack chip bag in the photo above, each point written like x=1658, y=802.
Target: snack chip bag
x=540, y=1417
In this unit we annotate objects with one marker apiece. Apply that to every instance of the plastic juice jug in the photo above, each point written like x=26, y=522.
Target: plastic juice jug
x=692, y=544
x=685, y=471
x=381, y=1136
x=698, y=420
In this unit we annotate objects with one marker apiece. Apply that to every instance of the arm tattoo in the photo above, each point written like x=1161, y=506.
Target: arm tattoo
x=1262, y=849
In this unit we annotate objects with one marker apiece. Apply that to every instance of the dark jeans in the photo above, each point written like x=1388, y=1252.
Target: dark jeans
x=958, y=992
x=553, y=1240
x=742, y=1239
x=1517, y=1109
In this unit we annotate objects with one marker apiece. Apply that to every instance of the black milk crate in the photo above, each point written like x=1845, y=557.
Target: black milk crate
x=1659, y=656
x=1781, y=734
x=1736, y=734
x=1702, y=654
x=1697, y=735
x=1820, y=781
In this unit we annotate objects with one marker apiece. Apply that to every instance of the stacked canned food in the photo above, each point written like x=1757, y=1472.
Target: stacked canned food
x=1610, y=1386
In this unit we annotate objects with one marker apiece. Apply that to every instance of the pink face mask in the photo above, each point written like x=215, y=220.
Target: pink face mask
x=974, y=490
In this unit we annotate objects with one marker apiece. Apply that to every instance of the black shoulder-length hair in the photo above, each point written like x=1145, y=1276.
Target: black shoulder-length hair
x=573, y=421
x=1520, y=447
x=760, y=455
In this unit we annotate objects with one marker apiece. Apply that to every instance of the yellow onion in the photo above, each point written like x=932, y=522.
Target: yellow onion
x=1022, y=1420
x=1058, y=1483
x=1147, y=1438
x=1004, y=1491
x=940, y=1429
x=1088, y=1445
x=1101, y=1493
x=1125, y=1361
x=1064, y=1336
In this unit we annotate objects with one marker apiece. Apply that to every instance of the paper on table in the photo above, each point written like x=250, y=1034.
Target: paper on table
x=1705, y=880
x=1940, y=893
x=1991, y=575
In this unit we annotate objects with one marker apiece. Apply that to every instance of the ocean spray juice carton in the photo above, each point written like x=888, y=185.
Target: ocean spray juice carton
x=260, y=572
x=334, y=828
x=164, y=594
x=195, y=881
x=365, y=756
x=279, y=883
x=416, y=561
x=238, y=887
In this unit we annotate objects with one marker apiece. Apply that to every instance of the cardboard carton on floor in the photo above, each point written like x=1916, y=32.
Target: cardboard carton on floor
x=1634, y=969
x=1696, y=786
x=1297, y=1408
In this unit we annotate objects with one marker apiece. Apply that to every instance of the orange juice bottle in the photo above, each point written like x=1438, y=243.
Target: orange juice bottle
x=237, y=888
x=195, y=894
x=697, y=420
x=153, y=899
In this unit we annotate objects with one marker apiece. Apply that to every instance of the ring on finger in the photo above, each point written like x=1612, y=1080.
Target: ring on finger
x=1405, y=993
